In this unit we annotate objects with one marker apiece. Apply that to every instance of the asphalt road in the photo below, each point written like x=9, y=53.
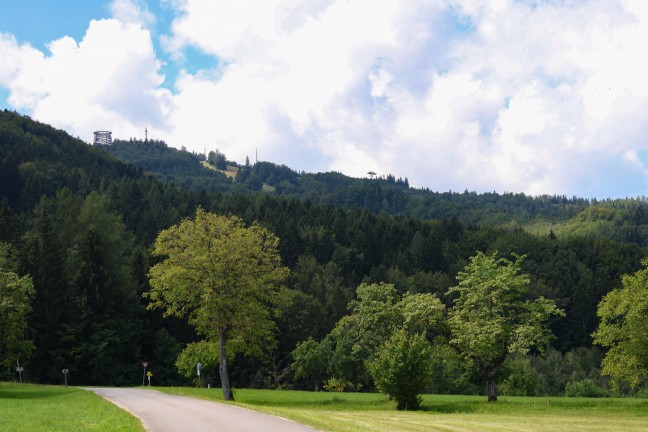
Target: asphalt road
x=161, y=412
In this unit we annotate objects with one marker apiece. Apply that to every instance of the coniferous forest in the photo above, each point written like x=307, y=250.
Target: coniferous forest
x=80, y=220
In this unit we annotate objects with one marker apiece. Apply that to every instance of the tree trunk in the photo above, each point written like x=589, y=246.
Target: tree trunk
x=491, y=388
x=222, y=368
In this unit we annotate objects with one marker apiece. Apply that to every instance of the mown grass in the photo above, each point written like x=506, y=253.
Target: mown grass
x=347, y=412
x=36, y=408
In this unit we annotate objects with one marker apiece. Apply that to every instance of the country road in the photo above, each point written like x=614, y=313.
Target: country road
x=161, y=412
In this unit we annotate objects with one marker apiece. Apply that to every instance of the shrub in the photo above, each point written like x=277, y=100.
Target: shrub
x=402, y=368
x=521, y=380
x=584, y=388
x=338, y=385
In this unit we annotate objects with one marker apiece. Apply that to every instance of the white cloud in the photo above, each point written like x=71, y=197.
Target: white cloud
x=132, y=12
x=109, y=80
x=506, y=95
x=482, y=95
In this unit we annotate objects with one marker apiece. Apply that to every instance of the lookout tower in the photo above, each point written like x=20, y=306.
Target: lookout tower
x=102, y=138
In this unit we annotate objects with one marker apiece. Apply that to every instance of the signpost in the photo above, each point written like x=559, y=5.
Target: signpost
x=144, y=364
x=20, y=370
x=149, y=375
x=65, y=374
x=198, y=371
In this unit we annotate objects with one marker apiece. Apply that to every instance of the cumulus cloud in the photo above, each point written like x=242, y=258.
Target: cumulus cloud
x=506, y=95
x=132, y=12
x=108, y=80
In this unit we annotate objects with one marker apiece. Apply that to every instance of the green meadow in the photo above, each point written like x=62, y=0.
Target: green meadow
x=36, y=408
x=347, y=412
x=54, y=408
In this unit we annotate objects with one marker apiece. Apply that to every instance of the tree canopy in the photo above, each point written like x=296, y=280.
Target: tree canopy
x=624, y=330
x=492, y=317
x=224, y=276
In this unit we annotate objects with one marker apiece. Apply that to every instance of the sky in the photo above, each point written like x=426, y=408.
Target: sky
x=533, y=96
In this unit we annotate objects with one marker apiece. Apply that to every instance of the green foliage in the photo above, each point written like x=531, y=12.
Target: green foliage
x=376, y=315
x=554, y=370
x=169, y=164
x=15, y=305
x=204, y=352
x=311, y=360
x=82, y=225
x=521, y=379
x=491, y=317
x=624, y=330
x=338, y=385
x=402, y=369
x=224, y=276
x=585, y=389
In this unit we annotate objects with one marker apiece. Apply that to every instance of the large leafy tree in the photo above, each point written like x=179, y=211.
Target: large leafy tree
x=311, y=360
x=492, y=316
x=387, y=334
x=224, y=276
x=624, y=330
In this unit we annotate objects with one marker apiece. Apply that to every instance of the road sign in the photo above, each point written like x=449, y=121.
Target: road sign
x=145, y=364
x=19, y=369
x=149, y=374
x=65, y=371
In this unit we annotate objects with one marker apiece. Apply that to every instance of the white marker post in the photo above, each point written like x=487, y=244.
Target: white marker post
x=198, y=371
x=65, y=374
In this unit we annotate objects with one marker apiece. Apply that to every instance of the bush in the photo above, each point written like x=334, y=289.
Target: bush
x=402, y=368
x=584, y=388
x=521, y=380
x=338, y=385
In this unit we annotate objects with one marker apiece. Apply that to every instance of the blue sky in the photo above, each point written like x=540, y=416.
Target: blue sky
x=498, y=95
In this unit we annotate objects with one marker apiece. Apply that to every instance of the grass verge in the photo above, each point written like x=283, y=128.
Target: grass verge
x=347, y=412
x=36, y=408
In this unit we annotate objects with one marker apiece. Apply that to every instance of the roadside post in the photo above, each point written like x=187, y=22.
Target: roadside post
x=65, y=374
x=144, y=364
x=20, y=370
x=149, y=375
x=198, y=371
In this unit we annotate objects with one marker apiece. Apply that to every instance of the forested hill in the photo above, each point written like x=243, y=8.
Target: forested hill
x=81, y=224
x=622, y=220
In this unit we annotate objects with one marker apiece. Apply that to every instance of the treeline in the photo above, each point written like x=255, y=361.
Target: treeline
x=384, y=194
x=82, y=224
x=169, y=164
x=621, y=219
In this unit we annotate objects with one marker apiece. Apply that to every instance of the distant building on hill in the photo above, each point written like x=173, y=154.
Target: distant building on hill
x=102, y=138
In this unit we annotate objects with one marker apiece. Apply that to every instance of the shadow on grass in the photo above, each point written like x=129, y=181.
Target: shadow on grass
x=25, y=391
x=452, y=407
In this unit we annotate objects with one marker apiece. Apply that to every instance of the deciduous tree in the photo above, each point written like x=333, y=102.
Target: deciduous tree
x=624, y=330
x=492, y=318
x=224, y=276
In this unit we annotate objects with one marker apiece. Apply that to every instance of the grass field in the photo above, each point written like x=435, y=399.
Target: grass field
x=347, y=412
x=36, y=408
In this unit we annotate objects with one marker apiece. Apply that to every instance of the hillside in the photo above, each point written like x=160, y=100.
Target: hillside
x=622, y=220
x=81, y=224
